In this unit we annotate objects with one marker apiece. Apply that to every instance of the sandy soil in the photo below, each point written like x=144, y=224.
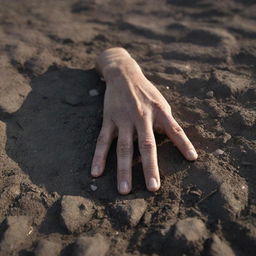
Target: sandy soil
x=200, y=54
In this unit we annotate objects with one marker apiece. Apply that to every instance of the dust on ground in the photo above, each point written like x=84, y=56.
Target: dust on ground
x=201, y=55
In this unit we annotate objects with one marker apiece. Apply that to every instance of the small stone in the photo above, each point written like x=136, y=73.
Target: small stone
x=219, y=152
x=129, y=212
x=15, y=236
x=91, y=246
x=93, y=187
x=210, y=94
x=73, y=100
x=226, y=137
x=76, y=211
x=49, y=248
x=167, y=87
x=196, y=193
x=220, y=248
x=93, y=92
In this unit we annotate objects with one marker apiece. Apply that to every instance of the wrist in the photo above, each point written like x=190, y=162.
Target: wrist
x=117, y=62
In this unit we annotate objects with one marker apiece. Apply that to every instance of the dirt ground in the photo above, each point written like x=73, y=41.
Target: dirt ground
x=200, y=54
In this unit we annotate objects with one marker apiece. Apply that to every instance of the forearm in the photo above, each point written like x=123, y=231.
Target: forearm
x=115, y=62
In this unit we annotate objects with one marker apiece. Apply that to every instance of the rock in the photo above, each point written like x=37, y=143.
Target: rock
x=187, y=236
x=49, y=248
x=219, y=152
x=93, y=92
x=175, y=68
x=226, y=137
x=220, y=248
x=129, y=212
x=210, y=94
x=73, y=100
x=93, y=187
x=226, y=84
x=91, y=246
x=76, y=211
x=18, y=230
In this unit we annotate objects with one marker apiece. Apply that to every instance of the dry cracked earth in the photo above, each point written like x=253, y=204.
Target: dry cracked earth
x=200, y=54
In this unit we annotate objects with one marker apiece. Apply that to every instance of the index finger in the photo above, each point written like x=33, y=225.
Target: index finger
x=179, y=138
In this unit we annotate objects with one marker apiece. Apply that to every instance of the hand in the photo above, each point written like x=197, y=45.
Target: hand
x=133, y=106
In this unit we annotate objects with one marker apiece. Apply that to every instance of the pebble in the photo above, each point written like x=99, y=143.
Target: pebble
x=210, y=94
x=76, y=211
x=91, y=246
x=220, y=248
x=93, y=187
x=49, y=248
x=73, y=100
x=226, y=137
x=129, y=212
x=219, y=152
x=93, y=92
x=15, y=236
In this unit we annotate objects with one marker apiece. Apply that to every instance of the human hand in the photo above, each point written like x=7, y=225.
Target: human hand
x=133, y=106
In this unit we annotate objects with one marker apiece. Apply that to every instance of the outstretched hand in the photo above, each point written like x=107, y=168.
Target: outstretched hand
x=134, y=107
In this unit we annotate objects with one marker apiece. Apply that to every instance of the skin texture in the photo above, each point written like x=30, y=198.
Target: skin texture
x=133, y=107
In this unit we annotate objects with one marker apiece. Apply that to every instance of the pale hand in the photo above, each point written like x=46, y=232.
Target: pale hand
x=133, y=107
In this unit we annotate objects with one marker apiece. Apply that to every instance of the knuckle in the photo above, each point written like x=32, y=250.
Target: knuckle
x=161, y=107
x=102, y=139
x=124, y=148
x=148, y=145
x=123, y=173
x=158, y=106
x=139, y=109
x=177, y=130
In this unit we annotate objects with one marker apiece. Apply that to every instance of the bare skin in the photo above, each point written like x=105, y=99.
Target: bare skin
x=133, y=107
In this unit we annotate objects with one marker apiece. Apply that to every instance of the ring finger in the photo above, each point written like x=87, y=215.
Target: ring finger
x=124, y=159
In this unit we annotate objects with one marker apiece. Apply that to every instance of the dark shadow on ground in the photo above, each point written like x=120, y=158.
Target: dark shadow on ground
x=52, y=136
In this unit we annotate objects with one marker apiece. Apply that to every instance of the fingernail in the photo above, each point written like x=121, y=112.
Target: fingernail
x=192, y=155
x=123, y=187
x=152, y=184
x=95, y=171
